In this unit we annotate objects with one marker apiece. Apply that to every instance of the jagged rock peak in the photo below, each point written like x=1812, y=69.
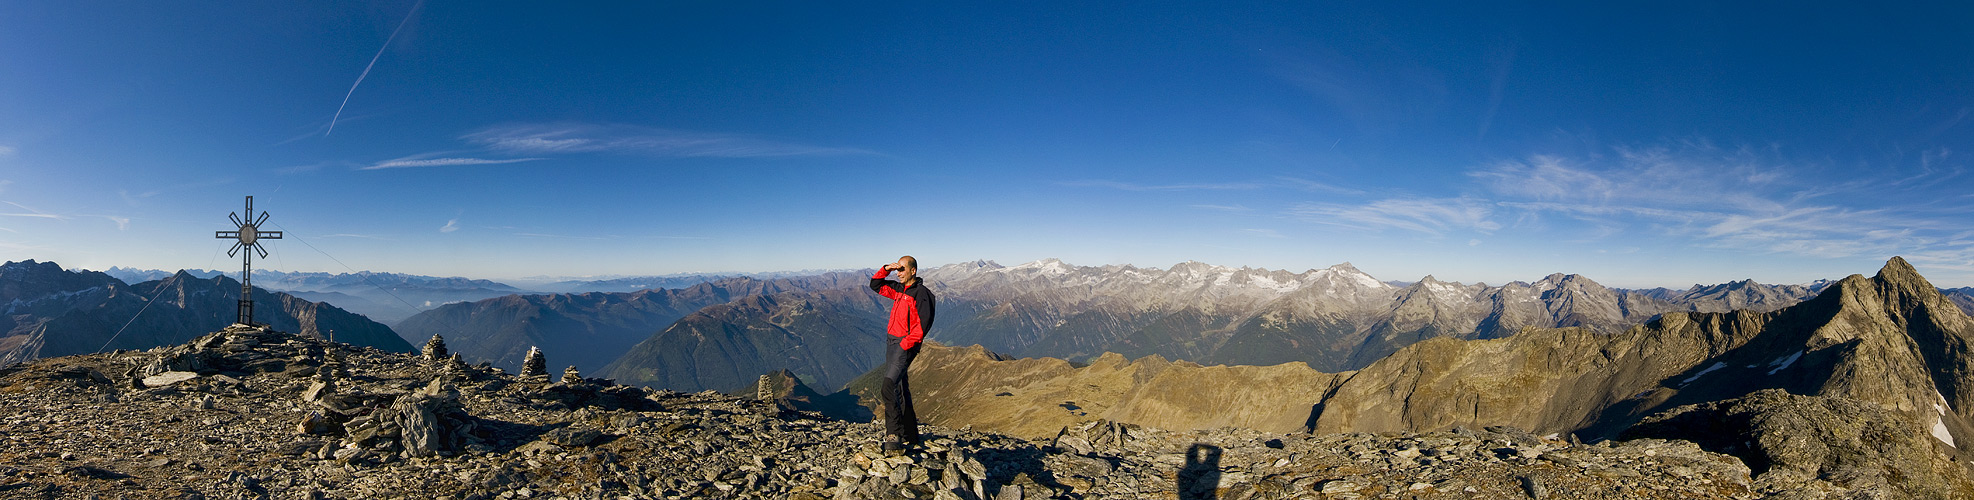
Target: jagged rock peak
x=1897, y=277
x=1898, y=272
x=29, y=264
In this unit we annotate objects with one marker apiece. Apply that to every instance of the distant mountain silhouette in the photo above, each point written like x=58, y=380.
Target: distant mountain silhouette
x=589, y=330
x=55, y=312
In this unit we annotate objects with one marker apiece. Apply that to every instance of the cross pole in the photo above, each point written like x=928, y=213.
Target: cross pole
x=247, y=236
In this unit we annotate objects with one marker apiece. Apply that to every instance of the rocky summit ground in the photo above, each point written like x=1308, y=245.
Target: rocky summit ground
x=250, y=413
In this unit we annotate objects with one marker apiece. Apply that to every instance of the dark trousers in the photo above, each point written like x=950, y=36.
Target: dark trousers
x=896, y=392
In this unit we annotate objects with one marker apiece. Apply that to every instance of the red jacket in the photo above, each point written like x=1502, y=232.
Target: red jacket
x=911, y=308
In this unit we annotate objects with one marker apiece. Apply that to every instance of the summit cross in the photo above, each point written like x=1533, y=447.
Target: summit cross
x=248, y=236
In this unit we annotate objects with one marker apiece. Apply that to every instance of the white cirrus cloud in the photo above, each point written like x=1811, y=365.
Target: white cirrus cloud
x=32, y=213
x=123, y=223
x=6, y=151
x=569, y=137
x=1753, y=200
x=1423, y=215
x=565, y=236
x=451, y=225
x=417, y=161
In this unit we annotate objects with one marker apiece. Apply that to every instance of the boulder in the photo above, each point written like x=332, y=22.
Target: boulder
x=318, y=423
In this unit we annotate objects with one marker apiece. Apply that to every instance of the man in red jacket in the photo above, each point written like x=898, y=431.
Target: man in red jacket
x=912, y=306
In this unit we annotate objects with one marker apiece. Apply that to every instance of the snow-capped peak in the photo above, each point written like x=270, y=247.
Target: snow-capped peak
x=1045, y=266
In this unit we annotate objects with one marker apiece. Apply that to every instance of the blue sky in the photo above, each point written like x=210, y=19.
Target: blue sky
x=1652, y=145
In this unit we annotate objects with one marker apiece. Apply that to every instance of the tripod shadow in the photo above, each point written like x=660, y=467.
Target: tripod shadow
x=1200, y=479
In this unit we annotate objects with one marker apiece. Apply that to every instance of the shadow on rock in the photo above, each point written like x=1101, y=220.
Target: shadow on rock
x=1200, y=478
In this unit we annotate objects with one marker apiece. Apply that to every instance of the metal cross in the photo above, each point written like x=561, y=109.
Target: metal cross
x=249, y=236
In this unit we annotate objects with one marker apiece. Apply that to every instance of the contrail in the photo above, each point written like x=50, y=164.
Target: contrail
x=373, y=62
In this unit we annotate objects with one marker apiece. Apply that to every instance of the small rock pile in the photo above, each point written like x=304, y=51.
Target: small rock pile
x=250, y=413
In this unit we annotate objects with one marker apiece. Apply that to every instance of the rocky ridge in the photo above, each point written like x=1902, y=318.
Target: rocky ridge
x=251, y=413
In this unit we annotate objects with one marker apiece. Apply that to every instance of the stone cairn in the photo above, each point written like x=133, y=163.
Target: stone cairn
x=453, y=365
x=535, y=365
x=435, y=349
x=571, y=376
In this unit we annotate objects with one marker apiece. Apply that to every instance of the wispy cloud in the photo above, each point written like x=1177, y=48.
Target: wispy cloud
x=1127, y=186
x=564, y=237
x=1749, y=200
x=1223, y=208
x=1309, y=185
x=1265, y=233
x=561, y=138
x=303, y=169
x=1434, y=217
x=8, y=151
x=451, y=225
x=31, y=213
x=415, y=162
x=123, y=223
x=373, y=63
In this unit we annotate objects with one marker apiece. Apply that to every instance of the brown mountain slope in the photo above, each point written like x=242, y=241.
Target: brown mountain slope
x=1890, y=339
x=1039, y=396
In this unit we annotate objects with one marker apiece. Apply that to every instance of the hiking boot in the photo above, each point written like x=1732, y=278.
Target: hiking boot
x=893, y=448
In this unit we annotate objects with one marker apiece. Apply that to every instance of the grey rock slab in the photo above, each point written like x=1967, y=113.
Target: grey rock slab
x=168, y=378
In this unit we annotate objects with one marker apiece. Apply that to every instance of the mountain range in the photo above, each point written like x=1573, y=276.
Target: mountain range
x=1891, y=339
x=635, y=283
x=392, y=297
x=718, y=334
x=589, y=330
x=1871, y=380
x=1337, y=318
x=384, y=297
x=1864, y=384
x=50, y=311
x=714, y=335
